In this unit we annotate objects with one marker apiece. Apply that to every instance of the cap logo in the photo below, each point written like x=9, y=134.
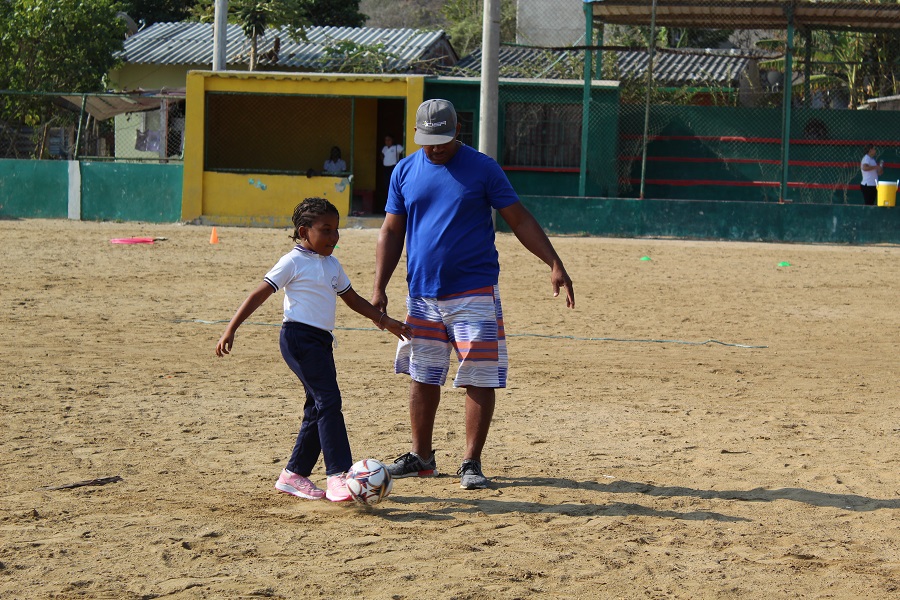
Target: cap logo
x=436, y=123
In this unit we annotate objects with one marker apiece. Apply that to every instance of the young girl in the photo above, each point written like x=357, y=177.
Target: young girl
x=312, y=279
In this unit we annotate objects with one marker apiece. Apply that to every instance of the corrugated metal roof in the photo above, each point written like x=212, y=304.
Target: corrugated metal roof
x=516, y=61
x=684, y=67
x=881, y=15
x=723, y=67
x=192, y=44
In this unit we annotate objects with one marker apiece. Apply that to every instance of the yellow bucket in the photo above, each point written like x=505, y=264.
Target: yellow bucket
x=887, y=193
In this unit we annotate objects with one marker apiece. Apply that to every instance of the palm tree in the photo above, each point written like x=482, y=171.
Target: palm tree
x=256, y=16
x=843, y=58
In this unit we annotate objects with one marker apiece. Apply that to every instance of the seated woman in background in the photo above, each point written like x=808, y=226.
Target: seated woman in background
x=335, y=164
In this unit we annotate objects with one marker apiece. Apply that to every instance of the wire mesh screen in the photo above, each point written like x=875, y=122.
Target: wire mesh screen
x=542, y=135
x=749, y=100
x=757, y=100
x=754, y=100
x=31, y=126
x=270, y=133
x=116, y=127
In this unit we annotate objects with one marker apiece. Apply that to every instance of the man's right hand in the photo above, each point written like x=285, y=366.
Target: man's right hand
x=379, y=301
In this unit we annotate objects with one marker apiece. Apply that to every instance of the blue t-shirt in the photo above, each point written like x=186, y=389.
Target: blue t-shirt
x=449, y=225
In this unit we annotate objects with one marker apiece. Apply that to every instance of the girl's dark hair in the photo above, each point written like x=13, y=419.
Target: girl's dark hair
x=308, y=211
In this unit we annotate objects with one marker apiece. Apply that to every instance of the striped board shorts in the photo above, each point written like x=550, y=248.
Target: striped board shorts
x=469, y=322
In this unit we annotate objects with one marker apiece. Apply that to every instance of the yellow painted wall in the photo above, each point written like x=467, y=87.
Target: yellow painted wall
x=192, y=174
x=228, y=197
x=265, y=101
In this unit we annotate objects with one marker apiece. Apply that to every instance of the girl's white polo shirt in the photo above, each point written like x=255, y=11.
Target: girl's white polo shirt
x=311, y=284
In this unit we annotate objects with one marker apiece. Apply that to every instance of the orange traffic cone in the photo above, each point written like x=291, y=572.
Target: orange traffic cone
x=214, y=237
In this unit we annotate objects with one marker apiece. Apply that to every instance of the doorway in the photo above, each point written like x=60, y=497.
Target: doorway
x=391, y=121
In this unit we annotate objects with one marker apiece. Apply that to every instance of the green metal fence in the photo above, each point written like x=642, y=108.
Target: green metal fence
x=752, y=100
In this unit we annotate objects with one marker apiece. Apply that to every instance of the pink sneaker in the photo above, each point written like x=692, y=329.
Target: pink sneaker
x=298, y=485
x=337, y=488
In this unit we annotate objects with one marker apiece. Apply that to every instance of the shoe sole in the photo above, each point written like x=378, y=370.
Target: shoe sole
x=428, y=473
x=339, y=498
x=283, y=487
x=475, y=486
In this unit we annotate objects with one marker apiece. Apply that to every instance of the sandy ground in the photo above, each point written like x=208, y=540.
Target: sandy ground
x=629, y=458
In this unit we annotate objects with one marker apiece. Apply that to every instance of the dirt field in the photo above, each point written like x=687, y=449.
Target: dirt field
x=648, y=466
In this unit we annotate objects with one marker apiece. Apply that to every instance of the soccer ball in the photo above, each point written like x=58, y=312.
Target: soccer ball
x=369, y=481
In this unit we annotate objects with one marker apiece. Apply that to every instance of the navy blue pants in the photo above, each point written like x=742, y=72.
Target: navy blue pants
x=307, y=351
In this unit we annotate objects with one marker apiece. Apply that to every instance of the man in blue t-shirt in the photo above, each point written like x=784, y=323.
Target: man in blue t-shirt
x=440, y=204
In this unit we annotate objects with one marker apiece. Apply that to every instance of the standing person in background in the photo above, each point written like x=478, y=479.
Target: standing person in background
x=870, y=170
x=391, y=154
x=440, y=203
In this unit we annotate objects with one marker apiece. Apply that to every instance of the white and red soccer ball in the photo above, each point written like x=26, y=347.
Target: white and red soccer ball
x=369, y=481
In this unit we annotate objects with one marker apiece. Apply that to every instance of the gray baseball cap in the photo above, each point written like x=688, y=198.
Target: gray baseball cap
x=435, y=123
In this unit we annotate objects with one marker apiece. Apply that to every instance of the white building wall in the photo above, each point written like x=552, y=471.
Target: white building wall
x=550, y=22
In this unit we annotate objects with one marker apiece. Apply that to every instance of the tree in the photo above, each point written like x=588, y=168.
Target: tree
x=677, y=37
x=148, y=12
x=292, y=16
x=58, y=45
x=51, y=46
x=882, y=65
x=350, y=57
x=465, y=23
x=255, y=16
x=666, y=37
x=399, y=14
x=860, y=64
x=335, y=13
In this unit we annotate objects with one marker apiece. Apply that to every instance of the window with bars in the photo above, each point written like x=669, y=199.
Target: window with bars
x=466, y=131
x=542, y=135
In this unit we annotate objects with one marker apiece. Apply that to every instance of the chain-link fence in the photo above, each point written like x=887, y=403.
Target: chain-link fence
x=758, y=100
x=145, y=127
x=772, y=100
x=749, y=101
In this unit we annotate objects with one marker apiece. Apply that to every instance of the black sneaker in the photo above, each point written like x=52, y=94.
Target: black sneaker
x=412, y=465
x=470, y=475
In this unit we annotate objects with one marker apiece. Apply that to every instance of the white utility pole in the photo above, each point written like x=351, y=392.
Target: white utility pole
x=490, y=68
x=220, y=35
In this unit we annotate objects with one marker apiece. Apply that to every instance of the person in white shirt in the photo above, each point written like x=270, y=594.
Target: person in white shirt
x=391, y=154
x=870, y=170
x=313, y=280
x=335, y=164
